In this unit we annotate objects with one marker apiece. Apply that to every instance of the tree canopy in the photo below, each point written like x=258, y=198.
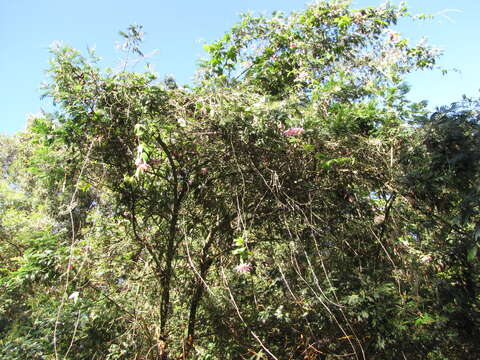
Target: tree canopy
x=291, y=204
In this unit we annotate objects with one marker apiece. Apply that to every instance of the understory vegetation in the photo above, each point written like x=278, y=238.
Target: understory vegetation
x=291, y=204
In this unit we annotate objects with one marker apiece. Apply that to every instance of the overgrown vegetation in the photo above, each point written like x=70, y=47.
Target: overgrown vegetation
x=292, y=204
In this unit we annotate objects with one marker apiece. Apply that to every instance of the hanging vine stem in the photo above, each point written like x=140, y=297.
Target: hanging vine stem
x=230, y=298
x=237, y=309
x=71, y=206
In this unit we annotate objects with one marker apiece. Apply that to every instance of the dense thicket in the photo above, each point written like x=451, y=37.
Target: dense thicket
x=292, y=204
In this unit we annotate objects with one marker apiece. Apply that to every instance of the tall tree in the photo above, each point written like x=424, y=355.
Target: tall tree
x=276, y=209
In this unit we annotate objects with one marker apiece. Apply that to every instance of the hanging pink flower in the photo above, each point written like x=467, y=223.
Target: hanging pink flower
x=294, y=131
x=378, y=219
x=426, y=258
x=142, y=167
x=393, y=36
x=243, y=268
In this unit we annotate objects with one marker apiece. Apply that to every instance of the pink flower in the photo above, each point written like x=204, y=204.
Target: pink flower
x=294, y=131
x=142, y=167
x=293, y=45
x=243, y=268
x=378, y=219
x=393, y=36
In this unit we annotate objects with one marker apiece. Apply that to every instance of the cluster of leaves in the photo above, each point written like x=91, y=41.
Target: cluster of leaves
x=284, y=207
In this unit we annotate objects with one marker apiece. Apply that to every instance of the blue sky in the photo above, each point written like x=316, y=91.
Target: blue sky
x=177, y=31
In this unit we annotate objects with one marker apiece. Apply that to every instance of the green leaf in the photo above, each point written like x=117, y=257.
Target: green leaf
x=309, y=148
x=239, y=251
x=424, y=319
x=85, y=187
x=472, y=253
x=239, y=241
